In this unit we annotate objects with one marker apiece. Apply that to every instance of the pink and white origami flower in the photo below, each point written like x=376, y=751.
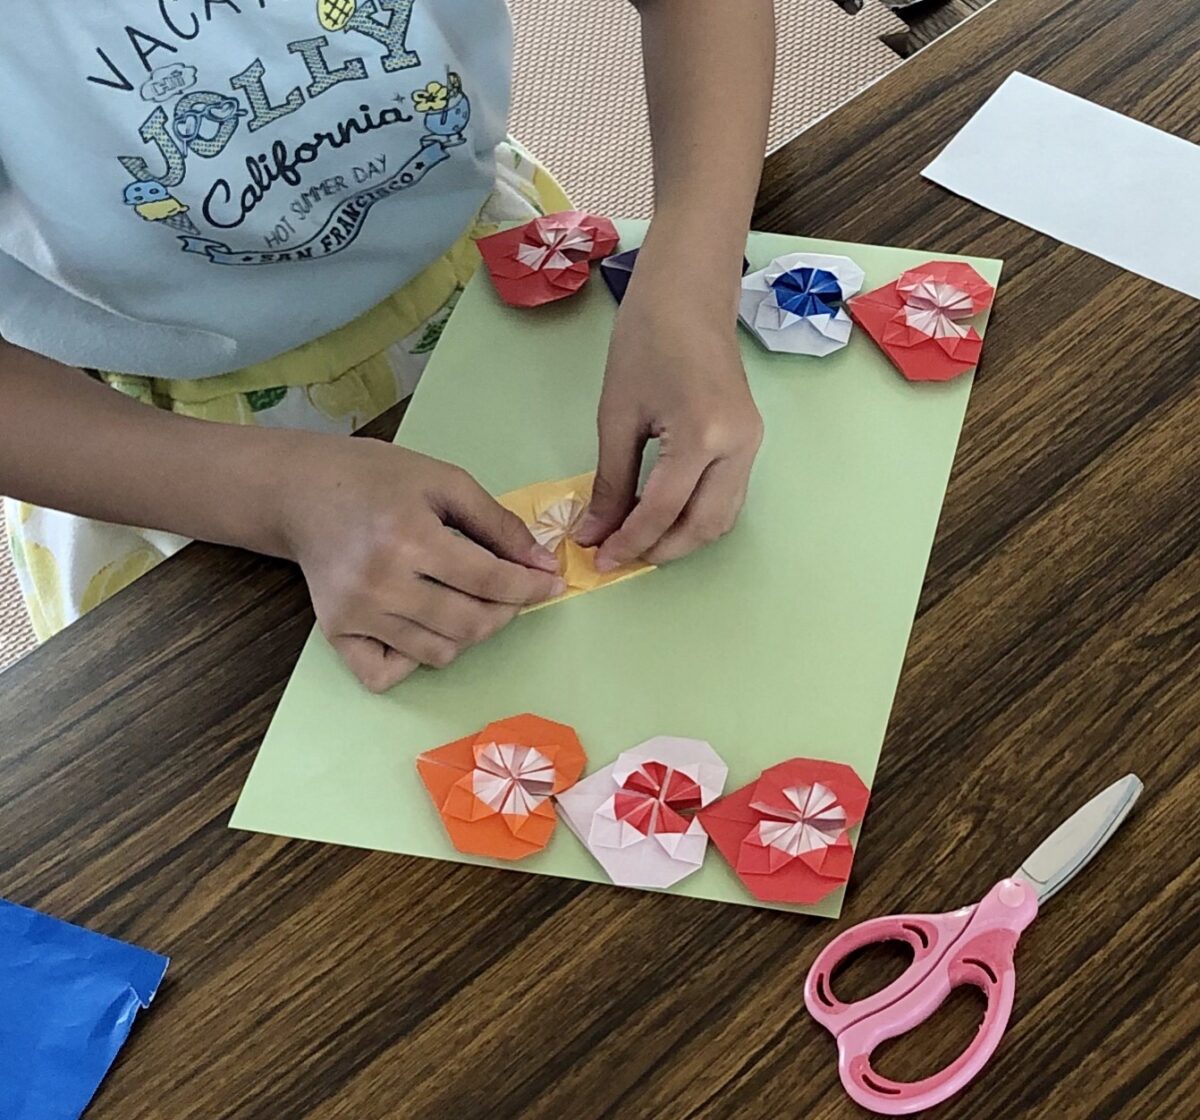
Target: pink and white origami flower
x=636, y=816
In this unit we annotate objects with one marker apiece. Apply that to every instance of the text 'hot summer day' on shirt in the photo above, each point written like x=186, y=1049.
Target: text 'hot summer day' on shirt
x=191, y=186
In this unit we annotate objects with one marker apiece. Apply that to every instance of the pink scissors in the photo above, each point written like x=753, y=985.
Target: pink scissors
x=973, y=945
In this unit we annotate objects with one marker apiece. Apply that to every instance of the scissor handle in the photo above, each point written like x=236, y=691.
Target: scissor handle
x=982, y=956
x=928, y=935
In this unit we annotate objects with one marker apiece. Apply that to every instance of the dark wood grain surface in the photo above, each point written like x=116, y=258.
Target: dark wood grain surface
x=928, y=20
x=1056, y=648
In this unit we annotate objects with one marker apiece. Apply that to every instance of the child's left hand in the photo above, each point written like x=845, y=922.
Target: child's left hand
x=674, y=374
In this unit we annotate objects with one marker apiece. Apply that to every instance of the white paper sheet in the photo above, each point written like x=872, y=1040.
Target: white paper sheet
x=1084, y=175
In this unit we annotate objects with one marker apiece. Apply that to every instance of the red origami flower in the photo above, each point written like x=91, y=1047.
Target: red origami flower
x=636, y=815
x=654, y=797
x=786, y=834
x=917, y=320
x=547, y=259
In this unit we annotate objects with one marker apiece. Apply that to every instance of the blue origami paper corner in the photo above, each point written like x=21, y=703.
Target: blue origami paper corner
x=68, y=998
x=618, y=269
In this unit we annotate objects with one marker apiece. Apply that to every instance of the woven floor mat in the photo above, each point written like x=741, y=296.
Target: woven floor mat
x=16, y=638
x=578, y=101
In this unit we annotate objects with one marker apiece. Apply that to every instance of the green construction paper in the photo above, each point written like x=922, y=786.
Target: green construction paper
x=785, y=638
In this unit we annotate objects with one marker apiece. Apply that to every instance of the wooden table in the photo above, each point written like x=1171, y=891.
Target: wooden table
x=1056, y=648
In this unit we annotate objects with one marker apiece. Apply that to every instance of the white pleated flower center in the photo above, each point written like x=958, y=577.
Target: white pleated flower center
x=556, y=249
x=931, y=307
x=512, y=779
x=555, y=523
x=812, y=819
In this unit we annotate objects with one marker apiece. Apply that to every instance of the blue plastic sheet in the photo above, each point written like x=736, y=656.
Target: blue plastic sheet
x=67, y=1001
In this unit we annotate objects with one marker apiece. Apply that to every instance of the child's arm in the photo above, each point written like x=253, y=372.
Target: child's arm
x=371, y=525
x=674, y=368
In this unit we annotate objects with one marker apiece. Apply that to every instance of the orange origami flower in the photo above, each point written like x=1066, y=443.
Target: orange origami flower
x=493, y=788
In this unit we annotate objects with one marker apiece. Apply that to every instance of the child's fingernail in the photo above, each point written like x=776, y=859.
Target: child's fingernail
x=606, y=564
x=559, y=588
x=544, y=558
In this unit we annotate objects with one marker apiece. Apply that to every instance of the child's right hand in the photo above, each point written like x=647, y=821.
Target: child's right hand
x=408, y=559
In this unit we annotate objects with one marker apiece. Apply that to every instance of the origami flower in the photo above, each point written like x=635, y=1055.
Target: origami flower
x=432, y=99
x=794, y=305
x=617, y=271
x=555, y=248
x=917, y=320
x=511, y=779
x=636, y=816
x=786, y=833
x=553, y=526
x=553, y=510
x=653, y=797
x=546, y=259
x=493, y=788
x=797, y=822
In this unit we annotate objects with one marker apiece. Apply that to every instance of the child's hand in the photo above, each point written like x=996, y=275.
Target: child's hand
x=394, y=585
x=674, y=373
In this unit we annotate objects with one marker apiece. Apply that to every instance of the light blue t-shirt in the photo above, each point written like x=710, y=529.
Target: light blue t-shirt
x=191, y=186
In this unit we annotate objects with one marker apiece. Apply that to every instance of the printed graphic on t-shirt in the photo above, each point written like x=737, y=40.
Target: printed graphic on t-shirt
x=295, y=196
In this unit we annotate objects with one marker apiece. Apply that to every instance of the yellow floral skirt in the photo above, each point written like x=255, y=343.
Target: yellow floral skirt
x=67, y=565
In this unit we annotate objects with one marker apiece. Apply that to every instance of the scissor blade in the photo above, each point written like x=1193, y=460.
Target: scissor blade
x=1068, y=849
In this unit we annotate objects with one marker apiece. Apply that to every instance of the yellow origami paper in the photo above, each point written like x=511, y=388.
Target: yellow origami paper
x=553, y=510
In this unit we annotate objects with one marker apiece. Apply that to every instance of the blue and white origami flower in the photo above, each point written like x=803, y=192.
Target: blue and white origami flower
x=794, y=305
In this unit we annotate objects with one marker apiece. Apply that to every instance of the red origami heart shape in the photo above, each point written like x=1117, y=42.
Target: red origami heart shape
x=547, y=259
x=917, y=320
x=786, y=834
